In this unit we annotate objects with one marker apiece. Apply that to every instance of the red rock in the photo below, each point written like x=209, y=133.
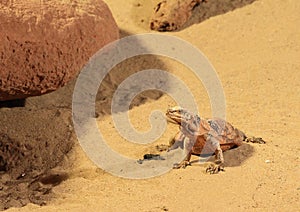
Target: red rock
x=45, y=45
x=170, y=15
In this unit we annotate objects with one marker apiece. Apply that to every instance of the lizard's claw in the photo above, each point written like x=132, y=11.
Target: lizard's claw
x=183, y=164
x=214, y=169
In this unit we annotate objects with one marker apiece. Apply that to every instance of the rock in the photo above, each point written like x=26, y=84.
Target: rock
x=44, y=44
x=170, y=15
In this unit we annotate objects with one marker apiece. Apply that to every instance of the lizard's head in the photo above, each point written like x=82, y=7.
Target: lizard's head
x=179, y=115
x=188, y=121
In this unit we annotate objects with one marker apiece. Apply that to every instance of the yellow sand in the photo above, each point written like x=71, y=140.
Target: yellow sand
x=256, y=53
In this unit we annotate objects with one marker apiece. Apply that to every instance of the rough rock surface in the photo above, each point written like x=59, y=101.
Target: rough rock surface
x=172, y=14
x=44, y=44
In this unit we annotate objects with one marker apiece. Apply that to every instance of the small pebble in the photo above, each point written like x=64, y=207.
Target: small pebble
x=267, y=161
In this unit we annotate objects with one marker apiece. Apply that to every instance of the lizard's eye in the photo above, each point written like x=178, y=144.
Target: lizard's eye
x=187, y=116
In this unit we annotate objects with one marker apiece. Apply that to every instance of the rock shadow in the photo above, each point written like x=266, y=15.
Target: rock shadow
x=12, y=103
x=142, y=11
x=62, y=98
x=208, y=9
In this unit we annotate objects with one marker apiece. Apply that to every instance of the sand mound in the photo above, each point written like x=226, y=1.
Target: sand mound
x=31, y=143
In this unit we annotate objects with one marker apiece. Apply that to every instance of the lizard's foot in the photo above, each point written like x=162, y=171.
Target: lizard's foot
x=214, y=168
x=183, y=164
x=255, y=140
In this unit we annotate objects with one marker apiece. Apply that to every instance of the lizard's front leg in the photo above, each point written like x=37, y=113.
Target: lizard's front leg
x=177, y=141
x=188, y=145
x=184, y=163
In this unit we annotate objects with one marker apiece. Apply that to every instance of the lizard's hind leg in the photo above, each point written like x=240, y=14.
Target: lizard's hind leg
x=219, y=158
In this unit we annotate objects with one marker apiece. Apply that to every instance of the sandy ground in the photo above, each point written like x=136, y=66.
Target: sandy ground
x=255, y=51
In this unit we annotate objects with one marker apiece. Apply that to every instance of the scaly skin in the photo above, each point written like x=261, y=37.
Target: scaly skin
x=205, y=136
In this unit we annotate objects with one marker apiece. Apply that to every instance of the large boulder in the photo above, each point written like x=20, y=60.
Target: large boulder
x=44, y=44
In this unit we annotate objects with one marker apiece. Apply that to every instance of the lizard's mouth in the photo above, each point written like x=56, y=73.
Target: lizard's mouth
x=172, y=117
x=170, y=120
x=177, y=115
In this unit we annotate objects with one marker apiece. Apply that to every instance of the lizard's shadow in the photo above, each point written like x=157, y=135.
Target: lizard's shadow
x=234, y=157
